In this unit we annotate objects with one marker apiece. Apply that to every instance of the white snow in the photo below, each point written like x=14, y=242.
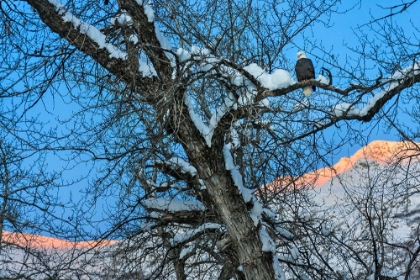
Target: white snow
x=199, y=124
x=148, y=10
x=122, y=19
x=265, y=103
x=155, y=186
x=236, y=175
x=147, y=69
x=394, y=81
x=185, y=251
x=133, y=38
x=182, y=237
x=270, y=246
x=173, y=205
x=183, y=55
x=256, y=211
x=236, y=141
x=92, y=32
x=164, y=43
x=294, y=252
x=345, y=109
x=268, y=243
x=248, y=97
x=284, y=232
x=179, y=163
x=203, y=186
x=300, y=106
x=322, y=79
x=279, y=79
x=208, y=61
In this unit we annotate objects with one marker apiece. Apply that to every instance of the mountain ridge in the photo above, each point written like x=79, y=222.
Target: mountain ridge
x=380, y=151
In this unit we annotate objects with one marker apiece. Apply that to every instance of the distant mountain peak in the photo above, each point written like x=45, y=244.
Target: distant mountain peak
x=34, y=241
x=384, y=151
x=379, y=151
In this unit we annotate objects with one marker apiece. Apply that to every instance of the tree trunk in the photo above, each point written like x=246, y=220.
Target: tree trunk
x=227, y=200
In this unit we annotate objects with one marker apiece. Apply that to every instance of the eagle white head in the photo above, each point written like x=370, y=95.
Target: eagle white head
x=301, y=55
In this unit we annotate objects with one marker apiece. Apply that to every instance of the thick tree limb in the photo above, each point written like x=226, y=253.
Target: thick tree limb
x=119, y=67
x=146, y=31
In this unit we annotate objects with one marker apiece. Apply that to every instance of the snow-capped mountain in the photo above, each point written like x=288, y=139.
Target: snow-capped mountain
x=381, y=152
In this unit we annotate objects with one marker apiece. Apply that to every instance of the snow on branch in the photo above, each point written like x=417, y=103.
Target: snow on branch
x=253, y=77
x=162, y=187
x=394, y=85
x=178, y=168
x=198, y=122
x=192, y=234
x=206, y=59
x=247, y=194
x=177, y=163
x=173, y=205
x=279, y=79
x=270, y=246
x=148, y=10
x=89, y=30
x=154, y=44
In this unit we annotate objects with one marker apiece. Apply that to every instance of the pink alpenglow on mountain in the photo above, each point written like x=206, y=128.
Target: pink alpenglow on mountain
x=44, y=242
x=382, y=152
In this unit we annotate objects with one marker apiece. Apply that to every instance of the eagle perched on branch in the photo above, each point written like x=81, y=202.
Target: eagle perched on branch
x=305, y=71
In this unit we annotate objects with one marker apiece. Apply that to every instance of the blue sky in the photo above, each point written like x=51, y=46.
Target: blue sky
x=342, y=33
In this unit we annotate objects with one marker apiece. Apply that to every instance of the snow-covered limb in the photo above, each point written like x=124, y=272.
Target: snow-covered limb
x=395, y=84
x=247, y=194
x=177, y=163
x=322, y=79
x=207, y=131
x=122, y=19
x=270, y=246
x=143, y=16
x=186, y=251
x=173, y=205
x=191, y=234
x=162, y=187
x=345, y=109
x=89, y=30
x=88, y=39
x=199, y=124
x=300, y=106
x=279, y=79
x=206, y=59
x=236, y=141
x=178, y=168
x=148, y=11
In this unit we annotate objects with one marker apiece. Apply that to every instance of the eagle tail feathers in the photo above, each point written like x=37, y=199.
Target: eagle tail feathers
x=307, y=91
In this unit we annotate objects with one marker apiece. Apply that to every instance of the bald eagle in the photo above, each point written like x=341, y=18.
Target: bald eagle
x=305, y=71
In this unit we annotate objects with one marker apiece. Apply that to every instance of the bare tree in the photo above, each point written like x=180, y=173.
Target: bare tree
x=189, y=111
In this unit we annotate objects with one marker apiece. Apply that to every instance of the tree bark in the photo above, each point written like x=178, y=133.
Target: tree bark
x=227, y=200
